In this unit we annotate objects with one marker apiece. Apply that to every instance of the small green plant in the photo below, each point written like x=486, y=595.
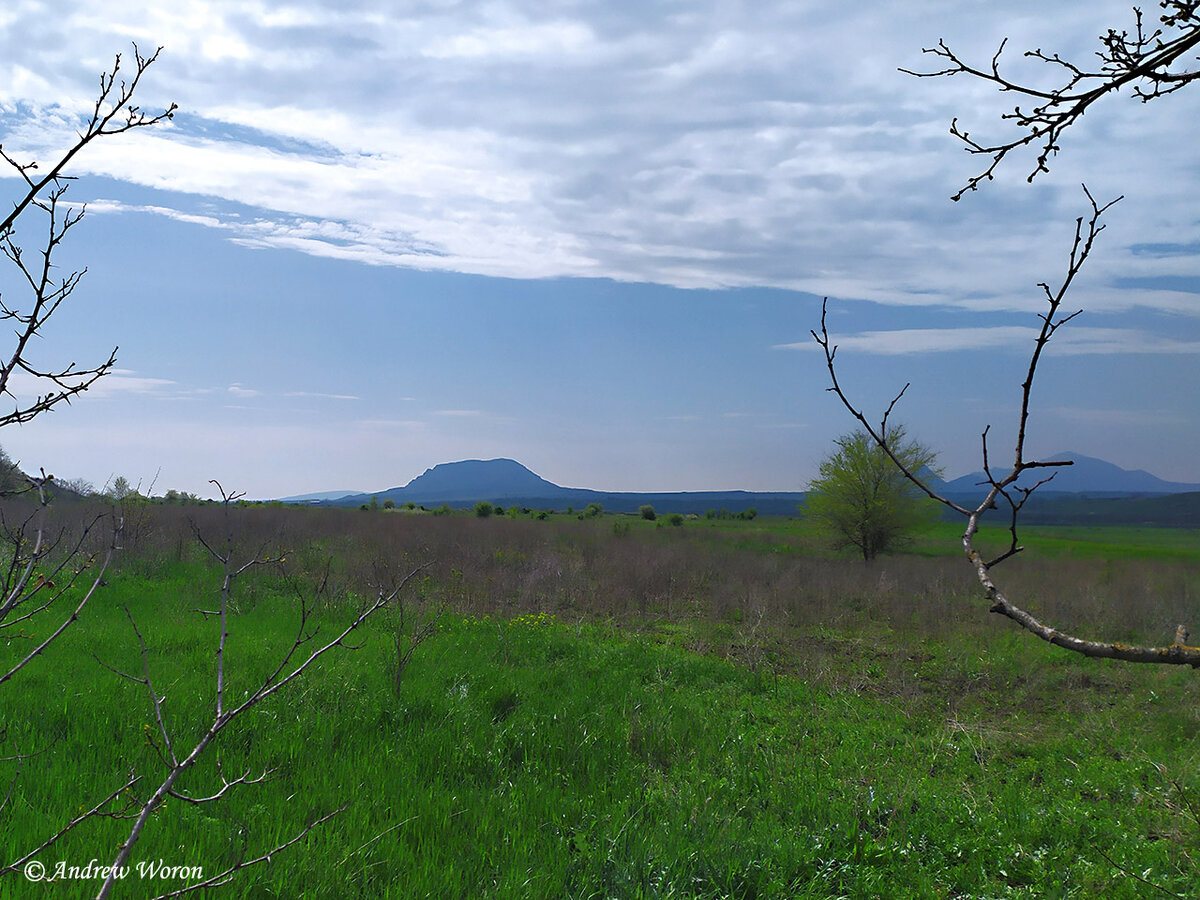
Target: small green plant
x=676, y=519
x=483, y=509
x=646, y=511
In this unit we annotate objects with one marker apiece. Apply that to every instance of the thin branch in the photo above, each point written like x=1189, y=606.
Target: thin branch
x=225, y=716
x=113, y=113
x=878, y=435
x=225, y=876
x=96, y=810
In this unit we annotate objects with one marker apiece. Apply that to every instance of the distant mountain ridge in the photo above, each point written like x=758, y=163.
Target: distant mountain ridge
x=1086, y=475
x=506, y=482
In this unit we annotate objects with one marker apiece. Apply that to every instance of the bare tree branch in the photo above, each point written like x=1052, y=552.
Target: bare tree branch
x=224, y=715
x=113, y=113
x=224, y=877
x=1006, y=487
x=42, y=569
x=1146, y=61
x=27, y=586
x=97, y=810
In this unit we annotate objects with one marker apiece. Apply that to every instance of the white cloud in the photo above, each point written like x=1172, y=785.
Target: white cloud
x=1073, y=341
x=554, y=39
x=320, y=396
x=689, y=146
x=117, y=382
x=123, y=381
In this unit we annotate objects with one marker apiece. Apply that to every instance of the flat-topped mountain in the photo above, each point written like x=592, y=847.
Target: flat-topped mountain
x=507, y=482
x=474, y=479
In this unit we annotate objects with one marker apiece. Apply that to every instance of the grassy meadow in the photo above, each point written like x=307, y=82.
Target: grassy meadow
x=616, y=708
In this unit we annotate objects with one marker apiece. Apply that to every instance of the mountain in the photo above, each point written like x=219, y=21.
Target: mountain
x=474, y=479
x=1087, y=475
x=507, y=482
x=319, y=495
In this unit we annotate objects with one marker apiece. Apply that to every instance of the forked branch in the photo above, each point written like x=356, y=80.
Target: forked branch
x=1004, y=488
x=1152, y=62
x=177, y=762
x=113, y=113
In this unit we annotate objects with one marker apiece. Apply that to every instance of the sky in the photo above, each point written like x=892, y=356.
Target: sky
x=590, y=236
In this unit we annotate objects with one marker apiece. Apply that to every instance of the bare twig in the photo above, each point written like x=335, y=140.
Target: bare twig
x=113, y=113
x=225, y=876
x=1144, y=60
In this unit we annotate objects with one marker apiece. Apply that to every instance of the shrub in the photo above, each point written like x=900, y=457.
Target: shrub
x=483, y=509
x=676, y=519
x=647, y=512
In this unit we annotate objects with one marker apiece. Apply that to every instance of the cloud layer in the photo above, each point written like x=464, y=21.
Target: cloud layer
x=705, y=145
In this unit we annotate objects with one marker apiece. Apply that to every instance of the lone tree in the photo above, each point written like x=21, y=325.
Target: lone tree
x=1152, y=64
x=863, y=500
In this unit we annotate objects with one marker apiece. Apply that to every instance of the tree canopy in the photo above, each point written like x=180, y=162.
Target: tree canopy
x=863, y=500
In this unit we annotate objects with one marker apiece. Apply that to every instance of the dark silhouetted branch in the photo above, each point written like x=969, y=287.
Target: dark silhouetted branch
x=1150, y=62
x=1006, y=488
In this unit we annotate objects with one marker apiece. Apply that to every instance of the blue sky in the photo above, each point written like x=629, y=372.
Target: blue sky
x=590, y=236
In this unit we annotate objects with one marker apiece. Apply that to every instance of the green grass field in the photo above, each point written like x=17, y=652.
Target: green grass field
x=716, y=710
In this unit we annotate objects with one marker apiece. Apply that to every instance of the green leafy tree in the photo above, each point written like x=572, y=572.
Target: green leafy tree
x=863, y=500
x=483, y=509
x=121, y=490
x=647, y=512
x=11, y=479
